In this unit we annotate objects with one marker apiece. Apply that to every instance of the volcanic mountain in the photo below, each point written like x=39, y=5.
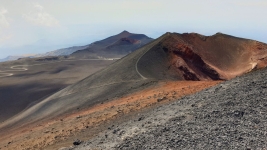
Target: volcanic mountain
x=115, y=46
x=173, y=56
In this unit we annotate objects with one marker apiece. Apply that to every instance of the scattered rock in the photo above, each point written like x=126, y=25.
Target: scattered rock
x=77, y=142
x=141, y=118
x=161, y=99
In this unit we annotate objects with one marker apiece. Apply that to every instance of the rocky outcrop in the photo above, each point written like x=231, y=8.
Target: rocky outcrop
x=189, y=63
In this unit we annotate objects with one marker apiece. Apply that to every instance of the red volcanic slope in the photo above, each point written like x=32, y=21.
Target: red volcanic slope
x=197, y=57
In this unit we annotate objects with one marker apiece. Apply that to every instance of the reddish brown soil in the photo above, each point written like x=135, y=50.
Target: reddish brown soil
x=85, y=124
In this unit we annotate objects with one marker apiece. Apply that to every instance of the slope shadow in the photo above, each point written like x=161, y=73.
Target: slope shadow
x=15, y=98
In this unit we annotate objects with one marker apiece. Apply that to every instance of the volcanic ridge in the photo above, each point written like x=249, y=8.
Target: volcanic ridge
x=173, y=57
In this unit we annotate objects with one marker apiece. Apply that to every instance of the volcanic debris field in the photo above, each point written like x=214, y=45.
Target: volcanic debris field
x=231, y=115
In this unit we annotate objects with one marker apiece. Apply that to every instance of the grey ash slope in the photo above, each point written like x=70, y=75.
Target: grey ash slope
x=120, y=77
x=229, y=116
x=88, y=94
x=232, y=115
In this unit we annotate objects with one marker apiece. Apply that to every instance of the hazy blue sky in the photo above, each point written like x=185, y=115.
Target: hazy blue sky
x=35, y=26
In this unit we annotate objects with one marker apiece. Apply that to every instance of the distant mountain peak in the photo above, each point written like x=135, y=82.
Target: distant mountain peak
x=124, y=31
x=114, y=46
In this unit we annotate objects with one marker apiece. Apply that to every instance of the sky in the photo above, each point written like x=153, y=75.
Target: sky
x=38, y=26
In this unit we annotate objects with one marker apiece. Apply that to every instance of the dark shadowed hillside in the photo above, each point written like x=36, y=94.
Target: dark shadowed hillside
x=115, y=46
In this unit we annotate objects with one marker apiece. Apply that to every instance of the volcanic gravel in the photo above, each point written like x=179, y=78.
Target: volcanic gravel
x=231, y=115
